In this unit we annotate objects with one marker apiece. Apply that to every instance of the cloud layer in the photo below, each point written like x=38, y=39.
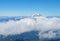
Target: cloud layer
x=41, y=24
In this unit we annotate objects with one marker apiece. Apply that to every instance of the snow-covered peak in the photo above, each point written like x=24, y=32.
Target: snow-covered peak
x=36, y=15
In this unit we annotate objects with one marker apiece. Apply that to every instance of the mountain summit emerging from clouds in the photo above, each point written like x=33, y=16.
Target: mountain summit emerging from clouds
x=36, y=15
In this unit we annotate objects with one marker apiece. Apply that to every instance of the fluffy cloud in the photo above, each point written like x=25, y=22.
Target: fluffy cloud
x=17, y=27
x=41, y=24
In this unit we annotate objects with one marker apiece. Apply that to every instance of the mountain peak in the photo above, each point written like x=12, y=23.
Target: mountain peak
x=36, y=15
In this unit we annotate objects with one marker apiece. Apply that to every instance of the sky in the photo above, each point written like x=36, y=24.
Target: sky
x=29, y=7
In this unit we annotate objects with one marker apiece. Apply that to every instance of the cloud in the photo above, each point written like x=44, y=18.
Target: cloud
x=41, y=24
x=49, y=35
x=17, y=27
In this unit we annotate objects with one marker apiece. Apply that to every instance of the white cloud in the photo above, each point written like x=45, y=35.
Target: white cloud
x=49, y=35
x=41, y=24
x=17, y=27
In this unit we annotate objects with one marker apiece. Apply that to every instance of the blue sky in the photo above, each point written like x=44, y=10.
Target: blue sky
x=29, y=7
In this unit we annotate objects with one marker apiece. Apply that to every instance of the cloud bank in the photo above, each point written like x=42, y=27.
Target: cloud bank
x=41, y=24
